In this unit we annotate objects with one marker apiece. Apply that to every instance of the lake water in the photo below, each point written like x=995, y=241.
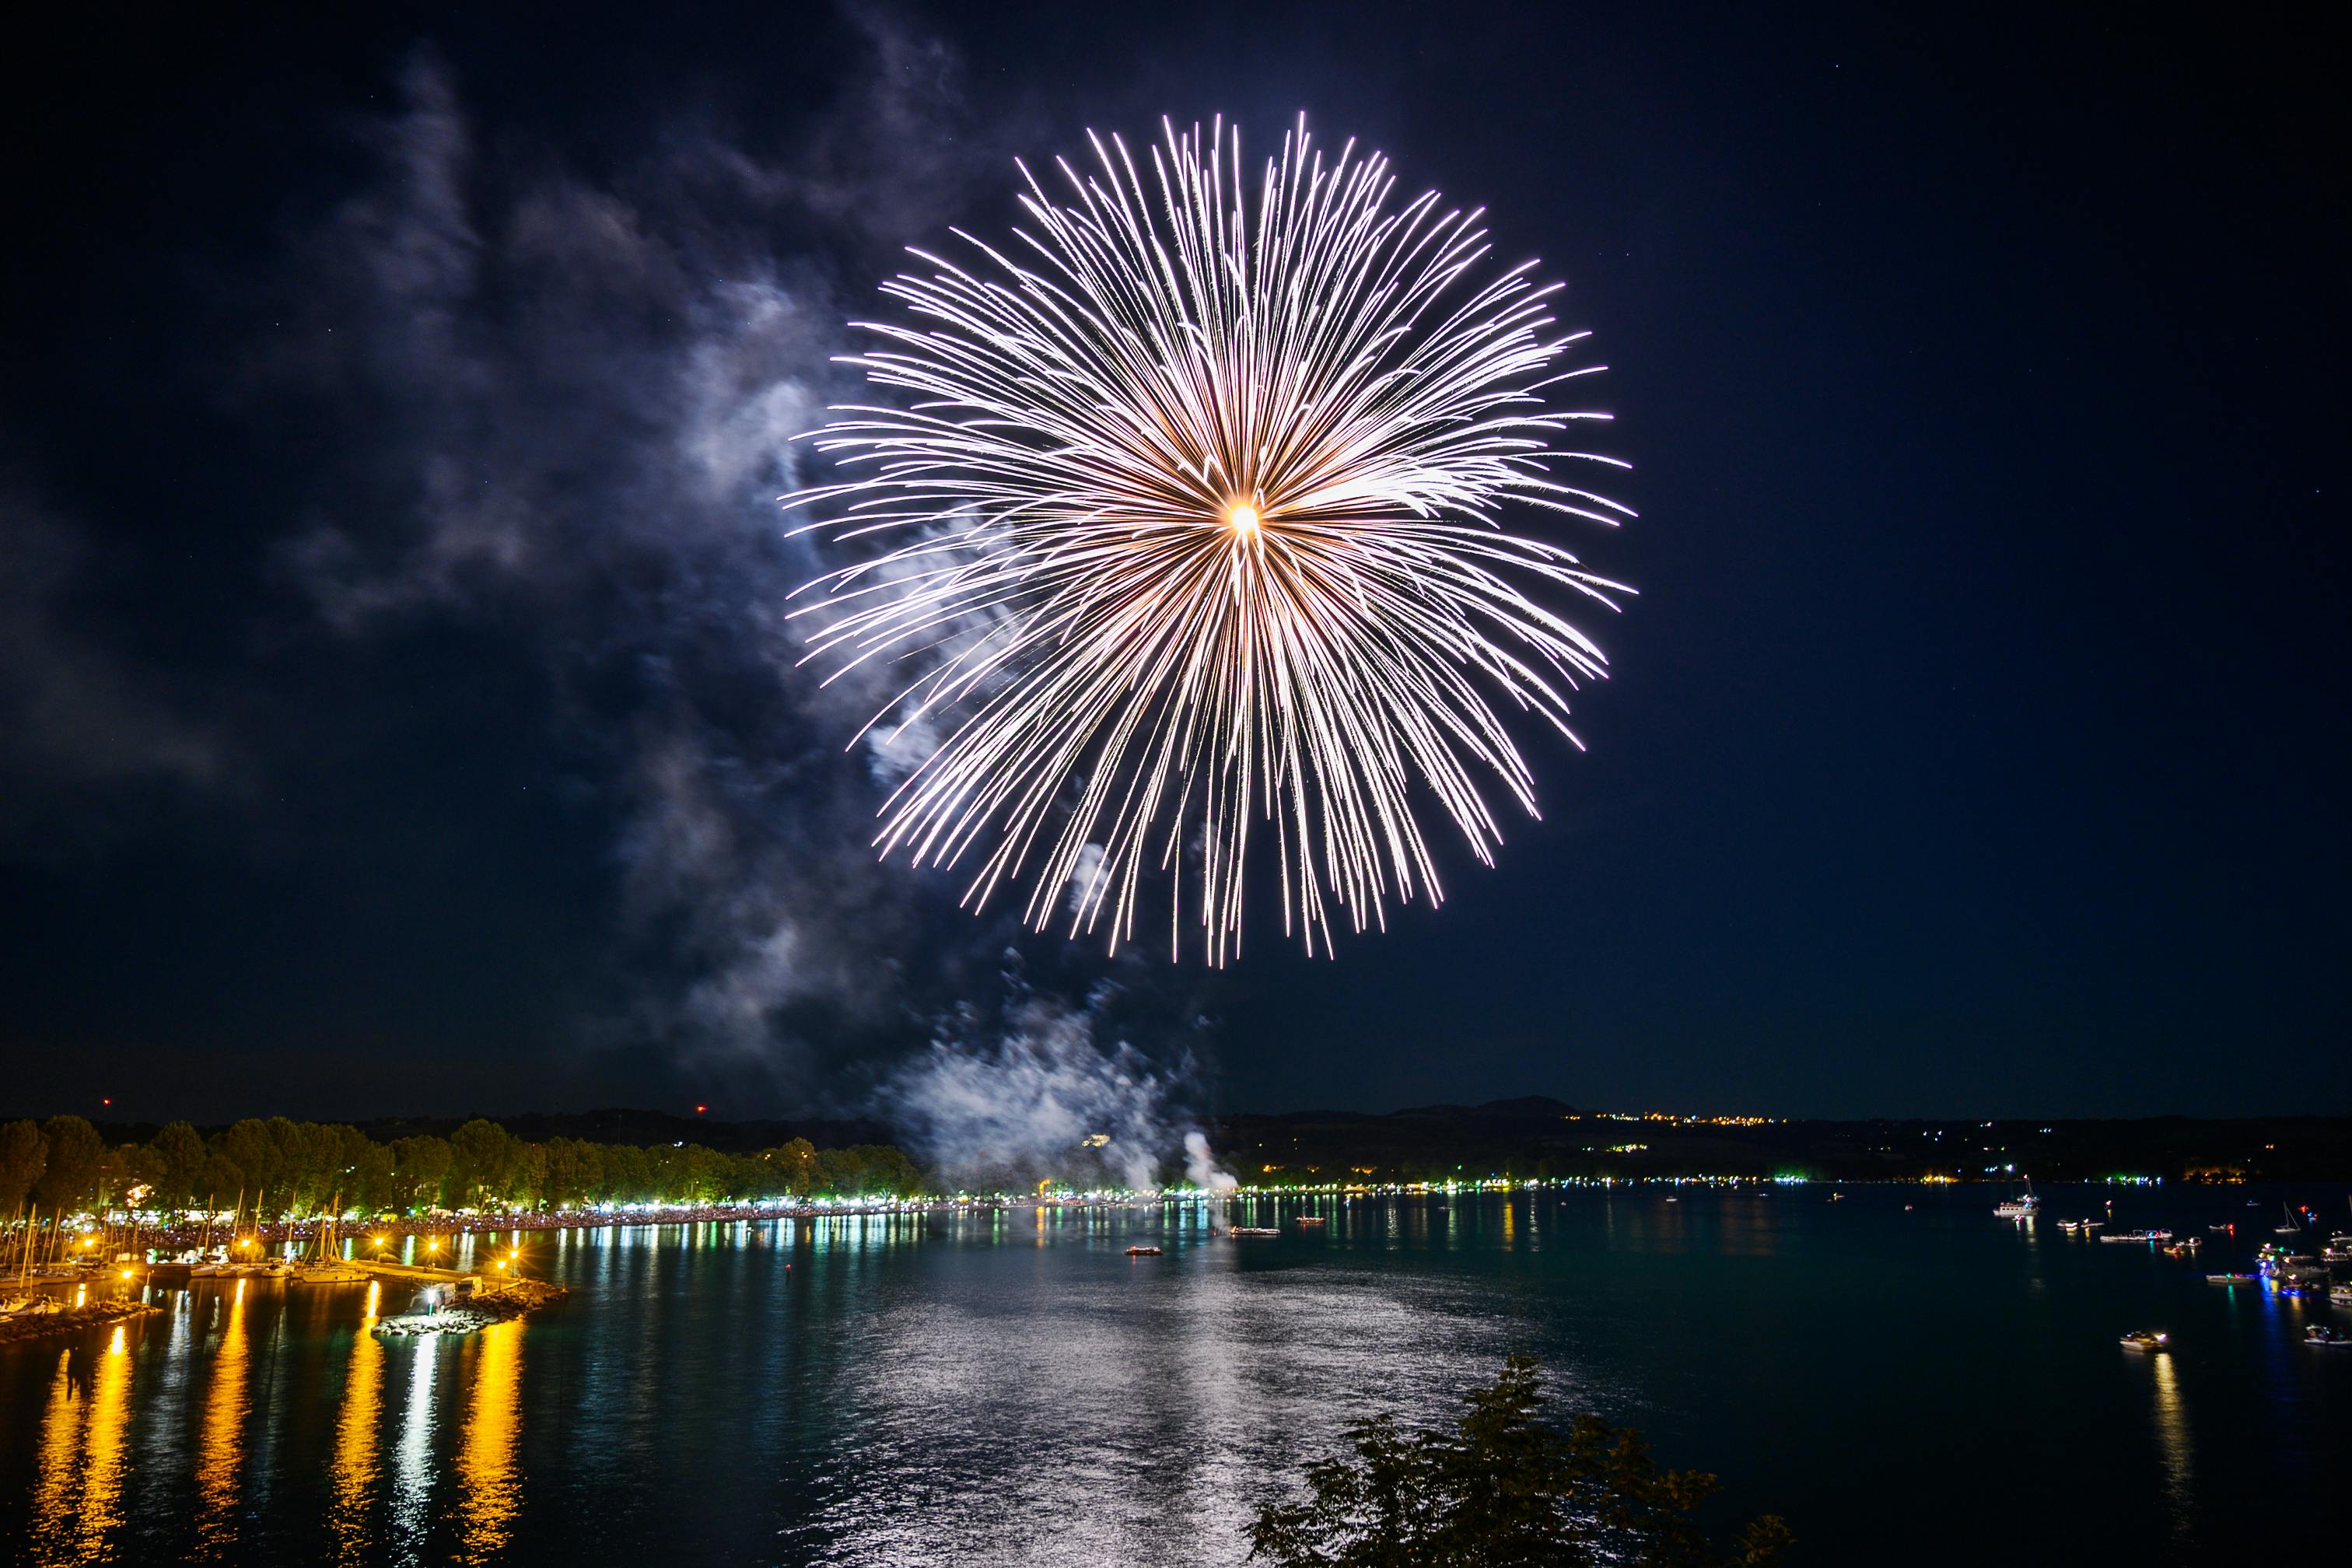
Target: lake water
x=1925, y=1384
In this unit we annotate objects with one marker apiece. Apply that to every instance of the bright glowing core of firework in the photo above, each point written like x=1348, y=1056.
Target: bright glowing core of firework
x=1191, y=524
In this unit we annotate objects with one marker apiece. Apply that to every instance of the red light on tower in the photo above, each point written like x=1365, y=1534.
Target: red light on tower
x=701, y=1109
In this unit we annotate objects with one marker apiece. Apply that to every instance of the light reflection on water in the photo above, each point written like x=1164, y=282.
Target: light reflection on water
x=79, y=1497
x=412, y=1477
x=1011, y=1388
x=2172, y=1435
x=356, y=1442
x=486, y=1454
x=220, y=1447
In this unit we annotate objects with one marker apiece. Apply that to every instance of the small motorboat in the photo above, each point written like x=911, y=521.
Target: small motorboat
x=2326, y=1334
x=2340, y=1294
x=1143, y=1252
x=2144, y=1339
x=1311, y=1221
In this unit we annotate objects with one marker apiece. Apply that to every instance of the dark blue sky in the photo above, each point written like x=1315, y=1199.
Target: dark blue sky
x=392, y=710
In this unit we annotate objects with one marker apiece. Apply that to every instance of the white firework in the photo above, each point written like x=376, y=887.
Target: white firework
x=1192, y=524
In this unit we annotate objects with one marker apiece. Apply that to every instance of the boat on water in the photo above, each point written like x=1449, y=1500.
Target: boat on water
x=2233, y=1280
x=2183, y=1248
x=2292, y=1228
x=2218, y=1228
x=328, y=1273
x=30, y=1306
x=2339, y=1248
x=2340, y=1294
x=2021, y=1208
x=1255, y=1230
x=2144, y=1339
x=2139, y=1235
x=1309, y=1221
x=2324, y=1334
x=325, y=1266
x=1143, y=1252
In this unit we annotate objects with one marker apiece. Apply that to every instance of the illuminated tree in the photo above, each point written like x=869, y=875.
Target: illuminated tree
x=77, y=1159
x=24, y=1155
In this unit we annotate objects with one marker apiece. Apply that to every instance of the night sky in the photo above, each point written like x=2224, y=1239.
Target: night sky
x=396, y=712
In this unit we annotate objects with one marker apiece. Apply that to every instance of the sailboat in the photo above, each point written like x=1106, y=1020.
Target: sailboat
x=2019, y=1208
x=326, y=1266
x=2291, y=1227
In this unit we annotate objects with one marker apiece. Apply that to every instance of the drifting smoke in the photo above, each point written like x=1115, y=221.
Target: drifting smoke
x=577, y=392
x=1200, y=1168
x=1047, y=1098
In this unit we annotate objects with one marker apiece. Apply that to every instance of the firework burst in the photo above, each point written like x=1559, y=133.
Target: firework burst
x=1192, y=523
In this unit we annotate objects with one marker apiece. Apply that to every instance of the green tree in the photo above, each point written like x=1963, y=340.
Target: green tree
x=77, y=1159
x=1502, y=1489
x=482, y=1167
x=420, y=1166
x=839, y=1173
x=250, y=1148
x=221, y=1181
x=527, y=1175
x=885, y=1172
x=179, y=1162
x=628, y=1173
x=24, y=1155
x=367, y=1169
x=575, y=1172
x=796, y=1161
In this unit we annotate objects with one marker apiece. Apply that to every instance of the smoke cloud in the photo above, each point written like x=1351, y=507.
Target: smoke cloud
x=1050, y=1090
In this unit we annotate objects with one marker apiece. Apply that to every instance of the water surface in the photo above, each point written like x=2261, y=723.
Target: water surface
x=1898, y=1374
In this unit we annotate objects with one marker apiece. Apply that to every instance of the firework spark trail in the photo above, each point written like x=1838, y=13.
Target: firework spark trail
x=1198, y=500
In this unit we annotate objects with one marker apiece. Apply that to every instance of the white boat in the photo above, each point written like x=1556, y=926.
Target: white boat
x=2340, y=1294
x=2144, y=1339
x=325, y=1266
x=2233, y=1280
x=1255, y=1230
x=2019, y=1208
x=2321, y=1334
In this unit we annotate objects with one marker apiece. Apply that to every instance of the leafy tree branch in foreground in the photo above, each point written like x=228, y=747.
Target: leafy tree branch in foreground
x=1502, y=1489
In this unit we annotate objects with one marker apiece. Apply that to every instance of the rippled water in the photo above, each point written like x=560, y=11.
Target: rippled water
x=1926, y=1384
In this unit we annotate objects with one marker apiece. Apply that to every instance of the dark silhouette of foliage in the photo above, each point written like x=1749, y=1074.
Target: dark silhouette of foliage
x=1502, y=1489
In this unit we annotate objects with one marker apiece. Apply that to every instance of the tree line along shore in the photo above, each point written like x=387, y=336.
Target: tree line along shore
x=282, y=1171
